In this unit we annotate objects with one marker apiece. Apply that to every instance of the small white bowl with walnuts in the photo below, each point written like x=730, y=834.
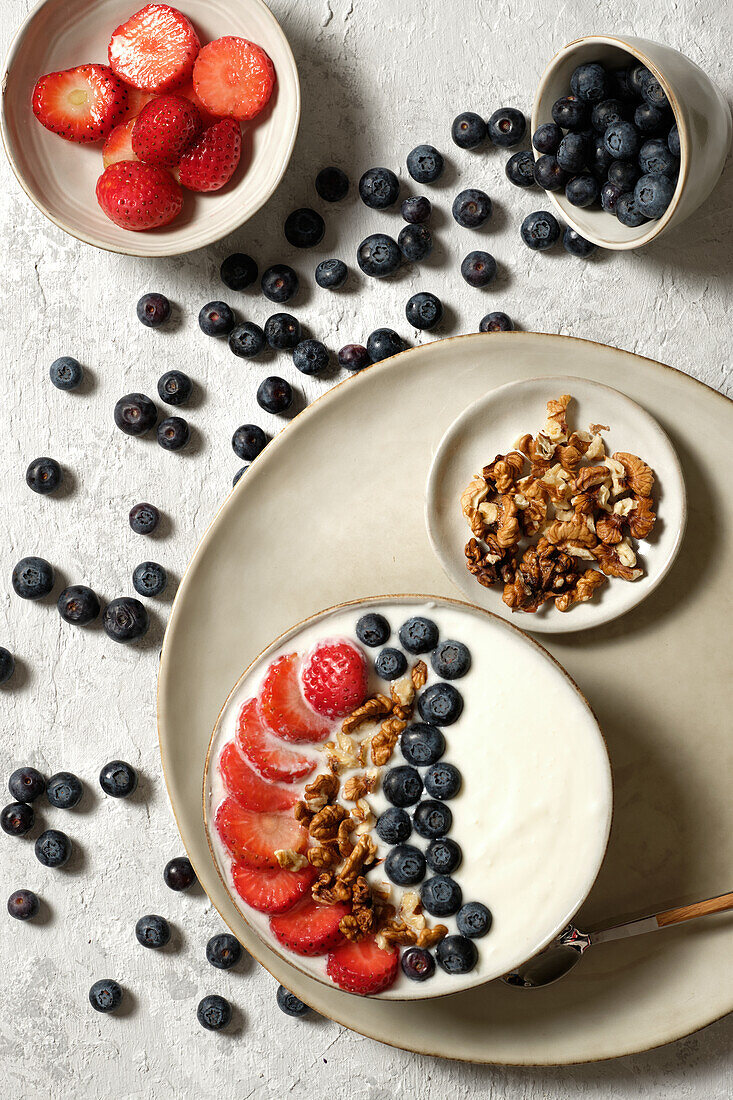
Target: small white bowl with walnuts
x=557, y=502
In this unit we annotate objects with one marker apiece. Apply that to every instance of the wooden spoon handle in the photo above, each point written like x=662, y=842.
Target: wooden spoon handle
x=699, y=909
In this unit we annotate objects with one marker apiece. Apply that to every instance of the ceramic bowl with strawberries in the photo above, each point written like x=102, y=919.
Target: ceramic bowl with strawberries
x=150, y=130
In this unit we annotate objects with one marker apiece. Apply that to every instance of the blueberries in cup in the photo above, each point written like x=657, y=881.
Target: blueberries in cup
x=570, y=113
x=655, y=159
x=547, y=137
x=590, y=82
x=582, y=190
x=548, y=174
x=628, y=211
x=653, y=195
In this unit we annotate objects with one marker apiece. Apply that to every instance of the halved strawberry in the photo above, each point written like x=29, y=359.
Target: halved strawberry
x=138, y=196
x=154, y=49
x=310, y=929
x=164, y=130
x=335, y=677
x=212, y=159
x=254, y=838
x=246, y=786
x=136, y=100
x=118, y=145
x=268, y=757
x=188, y=91
x=81, y=104
x=363, y=967
x=282, y=704
x=271, y=891
x=233, y=78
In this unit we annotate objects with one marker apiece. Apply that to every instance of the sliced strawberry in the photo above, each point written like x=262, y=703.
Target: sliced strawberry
x=233, y=78
x=187, y=90
x=136, y=100
x=268, y=757
x=310, y=929
x=254, y=838
x=363, y=967
x=282, y=704
x=164, y=130
x=118, y=145
x=271, y=891
x=335, y=677
x=81, y=104
x=211, y=161
x=246, y=786
x=154, y=49
x=138, y=196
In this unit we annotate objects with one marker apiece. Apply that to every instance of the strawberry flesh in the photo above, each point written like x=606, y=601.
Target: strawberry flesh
x=164, y=129
x=270, y=891
x=363, y=967
x=261, y=749
x=282, y=704
x=118, y=145
x=138, y=196
x=155, y=49
x=310, y=929
x=233, y=78
x=81, y=104
x=250, y=791
x=335, y=678
x=253, y=838
x=211, y=161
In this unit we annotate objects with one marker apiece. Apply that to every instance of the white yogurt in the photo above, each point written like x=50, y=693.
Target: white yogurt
x=534, y=811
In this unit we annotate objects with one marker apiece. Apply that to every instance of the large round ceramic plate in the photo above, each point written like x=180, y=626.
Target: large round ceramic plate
x=324, y=516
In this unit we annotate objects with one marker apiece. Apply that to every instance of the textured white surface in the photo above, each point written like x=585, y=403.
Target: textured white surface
x=377, y=78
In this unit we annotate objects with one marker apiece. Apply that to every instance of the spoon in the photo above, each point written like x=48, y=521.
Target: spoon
x=561, y=955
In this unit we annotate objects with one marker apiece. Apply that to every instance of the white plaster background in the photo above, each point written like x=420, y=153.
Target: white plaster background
x=378, y=77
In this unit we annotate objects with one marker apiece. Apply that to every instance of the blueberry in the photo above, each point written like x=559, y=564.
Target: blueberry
x=548, y=174
x=66, y=373
x=506, y=126
x=582, y=191
x=152, y=931
x=422, y=744
x=304, y=228
x=125, y=619
x=33, y=578
x=622, y=140
x=471, y=208
x=53, y=848
x=144, y=518
x=547, y=138
x=174, y=387
x=416, y=210
x=238, y=271
x=628, y=211
x=246, y=340
x=310, y=357
x=575, y=244
x=417, y=964
x=149, y=579
x=248, y=441
x=468, y=130
x=391, y=664
x=43, y=475
x=655, y=159
x=64, y=790
x=653, y=195
x=673, y=141
x=654, y=93
x=274, y=395
x=441, y=896
x=118, y=779
x=638, y=77
x=291, y=1005
x=223, y=951
x=379, y=188
x=496, y=322
x=540, y=230
x=606, y=112
x=621, y=84
x=331, y=274
x=213, y=1012
x=610, y=194
x=590, y=82
x=378, y=255
x=431, y=819
x=478, y=268
x=135, y=414
x=26, y=784
x=332, y=184
x=443, y=780
x=282, y=331
x=216, y=319
x=402, y=786
x=394, y=825
x=7, y=664
x=451, y=660
x=425, y=164
x=405, y=865
x=178, y=874
x=573, y=153
x=571, y=113
x=17, y=818
x=415, y=242
x=418, y=634
x=424, y=310
x=473, y=919
x=382, y=343
x=443, y=855
x=23, y=905
x=78, y=604
x=440, y=705
x=237, y=476
x=153, y=310
x=601, y=159
x=279, y=283
x=173, y=433
x=105, y=995
x=520, y=169
x=456, y=954
x=650, y=120
x=373, y=629
x=353, y=357
x=624, y=174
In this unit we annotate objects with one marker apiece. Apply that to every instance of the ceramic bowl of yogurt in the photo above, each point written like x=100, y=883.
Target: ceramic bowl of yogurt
x=529, y=805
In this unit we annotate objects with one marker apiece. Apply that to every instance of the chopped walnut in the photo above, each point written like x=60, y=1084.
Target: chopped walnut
x=329, y=890
x=576, y=531
x=596, y=448
x=611, y=564
x=639, y=476
x=508, y=531
x=290, y=860
x=419, y=675
x=343, y=836
x=472, y=496
x=486, y=568
x=363, y=854
x=641, y=517
x=324, y=855
x=395, y=934
x=403, y=692
x=429, y=937
x=302, y=813
x=556, y=424
x=410, y=911
x=324, y=825
x=320, y=792
x=343, y=753
x=358, y=785
x=590, y=477
x=581, y=591
x=374, y=707
x=383, y=742
x=609, y=528
x=504, y=471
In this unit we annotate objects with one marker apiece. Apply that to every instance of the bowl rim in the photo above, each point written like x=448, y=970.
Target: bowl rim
x=402, y=597
x=139, y=250
x=658, y=225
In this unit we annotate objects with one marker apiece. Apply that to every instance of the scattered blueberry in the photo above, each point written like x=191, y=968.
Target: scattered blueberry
x=655, y=159
x=353, y=357
x=468, y=130
x=152, y=931
x=237, y=476
x=279, y=283
x=382, y=343
x=443, y=855
x=456, y=954
x=378, y=255
x=53, y=848
x=144, y=518
x=478, y=268
x=405, y=865
x=125, y=619
x=520, y=169
x=394, y=825
x=422, y=744
x=417, y=964
x=415, y=242
x=471, y=208
x=673, y=141
x=105, y=995
x=7, y=664
x=547, y=137
x=373, y=629
x=425, y=164
x=23, y=905
x=213, y=1012
x=274, y=395
x=33, y=578
x=391, y=664
x=173, y=433
x=223, y=950
x=440, y=705
x=653, y=195
x=78, y=604
x=64, y=790
x=304, y=228
x=149, y=579
x=216, y=319
x=379, y=188
x=606, y=112
x=572, y=155
x=246, y=340
x=153, y=310
x=43, y=475
x=628, y=211
x=506, y=126
x=589, y=82
x=402, y=786
x=548, y=174
x=291, y=1005
x=443, y=780
x=450, y=660
x=650, y=119
x=66, y=373
x=431, y=819
x=540, y=230
x=570, y=113
x=26, y=784
x=331, y=274
x=310, y=357
x=416, y=210
x=575, y=244
x=473, y=919
x=118, y=779
x=418, y=634
x=622, y=140
x=248, y=441
x=623, y=174
x=238, y=271
x=332, y=184
x=424, y=310
x=582, y=191
x=496, y=322
x=17, y=818
x=441, y=896
x=135, y=414
x=282, y=331
x=174, y=387
x=610, y=194
x=654, y=93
